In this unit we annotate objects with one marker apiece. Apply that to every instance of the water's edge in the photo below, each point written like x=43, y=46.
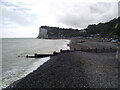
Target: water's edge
x=34, y=65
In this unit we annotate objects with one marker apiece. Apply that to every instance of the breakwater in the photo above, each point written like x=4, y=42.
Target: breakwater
x=91, y=50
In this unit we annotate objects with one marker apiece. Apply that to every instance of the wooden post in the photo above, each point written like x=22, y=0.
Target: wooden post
x=74, y=49
x=88, y=49
x=103, y=49
x=35, y=54
x=61, y=50
x=54, y=53
x=96, y=50
x=67, y=49
x=81, y=49
x=27, y=56
x=110, y=49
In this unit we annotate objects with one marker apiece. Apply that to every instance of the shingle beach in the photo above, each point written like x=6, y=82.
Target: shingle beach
x=76, y=69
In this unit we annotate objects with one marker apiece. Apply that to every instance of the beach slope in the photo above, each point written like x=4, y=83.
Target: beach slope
x=76, y=69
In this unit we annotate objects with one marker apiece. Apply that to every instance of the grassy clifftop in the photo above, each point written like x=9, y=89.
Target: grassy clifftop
x=107, y=29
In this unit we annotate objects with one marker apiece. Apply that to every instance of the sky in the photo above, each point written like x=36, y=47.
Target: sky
x=22, y=18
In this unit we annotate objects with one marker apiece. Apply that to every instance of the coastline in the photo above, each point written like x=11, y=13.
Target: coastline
x=26, y=65
x=74, y=70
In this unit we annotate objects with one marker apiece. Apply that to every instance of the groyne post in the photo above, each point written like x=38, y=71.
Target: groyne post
x=88, y=49
x=103, y=49
x=68, y=50
x=35, y=54
x=96, y=50
x=81, y=49
x=110, y=49
x=61, y=50
x=74, y=49
x=27, y=56
x=54, y=53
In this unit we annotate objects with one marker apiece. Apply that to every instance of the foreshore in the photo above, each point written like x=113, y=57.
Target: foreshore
x=75, y=69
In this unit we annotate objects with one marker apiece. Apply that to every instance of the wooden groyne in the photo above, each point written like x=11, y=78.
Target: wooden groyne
x=42, y=55
x=90, y=50
x=39, y=55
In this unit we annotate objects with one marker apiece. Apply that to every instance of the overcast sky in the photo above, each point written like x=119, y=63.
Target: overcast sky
x=22, y=18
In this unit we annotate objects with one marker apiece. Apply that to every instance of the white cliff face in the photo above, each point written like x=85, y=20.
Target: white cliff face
x=43, y=33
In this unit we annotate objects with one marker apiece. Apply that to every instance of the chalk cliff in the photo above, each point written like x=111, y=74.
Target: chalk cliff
x=56, y=32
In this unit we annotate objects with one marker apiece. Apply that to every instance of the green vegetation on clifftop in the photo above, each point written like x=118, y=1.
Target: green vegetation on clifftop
x=108, y=29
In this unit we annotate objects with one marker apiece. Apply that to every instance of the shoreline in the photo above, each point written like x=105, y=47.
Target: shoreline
x=74, y=70
x=9, y=78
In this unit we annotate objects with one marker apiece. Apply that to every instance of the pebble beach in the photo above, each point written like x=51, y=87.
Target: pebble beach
x=76, y=69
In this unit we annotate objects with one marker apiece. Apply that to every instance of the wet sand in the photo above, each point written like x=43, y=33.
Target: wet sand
x=75, y=69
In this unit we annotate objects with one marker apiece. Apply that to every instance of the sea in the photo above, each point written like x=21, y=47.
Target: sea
x=15, y=65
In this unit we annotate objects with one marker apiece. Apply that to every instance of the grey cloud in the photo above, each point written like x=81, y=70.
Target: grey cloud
x=81, y=15
x=14, y=17
x=100, y=7
x=15, y=14
x=119, y=8
x=74, y=20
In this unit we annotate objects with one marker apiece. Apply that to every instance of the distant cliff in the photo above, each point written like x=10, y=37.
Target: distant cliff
x=56, y=32
x=107, y=29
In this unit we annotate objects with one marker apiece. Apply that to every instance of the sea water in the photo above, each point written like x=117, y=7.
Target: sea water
x=14, y=63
